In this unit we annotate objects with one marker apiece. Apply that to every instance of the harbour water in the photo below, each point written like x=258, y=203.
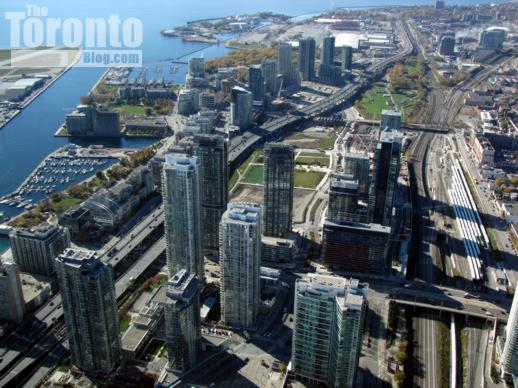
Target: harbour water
x=28, y=138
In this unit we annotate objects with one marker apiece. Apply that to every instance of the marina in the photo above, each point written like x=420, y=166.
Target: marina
x=59, y=171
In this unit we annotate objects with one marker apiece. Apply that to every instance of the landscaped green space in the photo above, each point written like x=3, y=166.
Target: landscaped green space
x=309, y=159
x=124, y=322
x=308, y=179
x=65, y=203
x=373, y=101
x=313, y=140
x=329, y=141
x=233, y=180
x=154, y=348
x=254, y=174
x=131, y=109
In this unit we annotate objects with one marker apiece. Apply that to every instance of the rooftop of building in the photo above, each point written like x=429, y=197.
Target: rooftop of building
x=391, y=112
x=357, y=226
x=343, y=182
x=391, y=136
x=34, y=285
x=182, y=286
x=41, y=231
x=289, y=239
x=78, y=258
x=180, y=161
x=244, y=212
x=271, y=273
x=350, y=293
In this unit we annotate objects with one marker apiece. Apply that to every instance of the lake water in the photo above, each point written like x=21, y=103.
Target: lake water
x=27, y=139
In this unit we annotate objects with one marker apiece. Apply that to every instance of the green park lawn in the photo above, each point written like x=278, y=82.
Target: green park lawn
x=131, y=109
x=308, y=180
x=373, y=102
x=309, y=159
x=254, y=174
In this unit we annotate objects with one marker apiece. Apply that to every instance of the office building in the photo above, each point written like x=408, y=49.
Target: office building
x=182, y=321
x=279, y=165
x=382, y=190
x=12, y=304
x=269, y=71
x=241, y=108
x=344, y=200
x=35, y=249
x=212, y=153
x=439, y=4
x=240, y=261
x=347, y=58
x=357, y=165
x=355, y=247
x=307, y=59
x=510, y=354
x=390, y=120
x=446, y=44
x=328, y=51
x=183, y=214
x=90, y=311
x=493, y=38
x=327, y=332
x=256, y=84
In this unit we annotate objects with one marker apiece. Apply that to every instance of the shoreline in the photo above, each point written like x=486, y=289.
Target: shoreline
x=39, y=92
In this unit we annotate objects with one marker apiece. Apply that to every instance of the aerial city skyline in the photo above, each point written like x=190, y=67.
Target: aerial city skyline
x=279, y=201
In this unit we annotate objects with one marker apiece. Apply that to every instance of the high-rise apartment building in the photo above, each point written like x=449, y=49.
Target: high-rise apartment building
x=344, y=200
x=358, y=166
x=256, y=84
x=279, y=164
x=347, y=57
x=183, y=214
x=390, y=120
x=241, y=108
x=196, y=67
x=493, y=38
x=510, y=353
x=384, y=180
x=212, y=153
x=35, y=249
x=355, y=247
x=90, y=310
x=327, y=333
x=307, y=49
x=284, y=63
x=240, y=261
x=12, y=304
x=447, y=44
x=269, y=71
x=182, y=321
x=328, y=51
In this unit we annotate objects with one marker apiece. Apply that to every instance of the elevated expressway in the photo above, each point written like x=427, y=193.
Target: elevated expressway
x=21, y=350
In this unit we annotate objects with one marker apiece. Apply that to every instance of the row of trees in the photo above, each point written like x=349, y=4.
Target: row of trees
x=241, y=58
